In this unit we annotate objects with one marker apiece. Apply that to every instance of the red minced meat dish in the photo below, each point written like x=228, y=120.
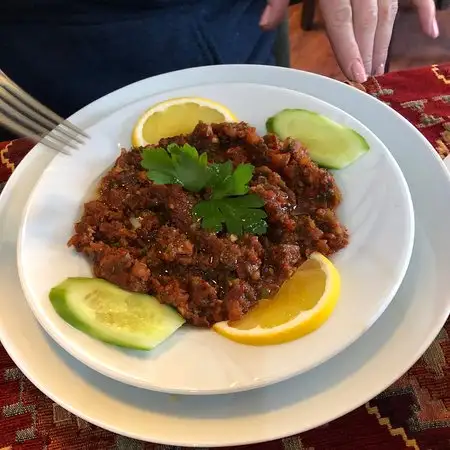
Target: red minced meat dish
x=144, y=237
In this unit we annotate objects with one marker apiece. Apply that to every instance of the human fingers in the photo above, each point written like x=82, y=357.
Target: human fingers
x=273, y=14
x=338, y=18
x=365, y=19
x=427, y=17
x=387, y=11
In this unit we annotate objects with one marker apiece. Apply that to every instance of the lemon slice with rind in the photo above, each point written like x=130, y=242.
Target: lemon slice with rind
x=303, y=304
x=177, y=116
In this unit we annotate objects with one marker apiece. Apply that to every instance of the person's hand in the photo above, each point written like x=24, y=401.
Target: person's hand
x=360, y=32
x=273, y=14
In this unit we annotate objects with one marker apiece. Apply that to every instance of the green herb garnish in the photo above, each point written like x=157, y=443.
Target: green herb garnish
x=229, y=205
x=224, y=182
x=177, y=165
x=239, y=214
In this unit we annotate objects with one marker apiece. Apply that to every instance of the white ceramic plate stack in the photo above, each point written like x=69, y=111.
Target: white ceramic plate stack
x=342, y=372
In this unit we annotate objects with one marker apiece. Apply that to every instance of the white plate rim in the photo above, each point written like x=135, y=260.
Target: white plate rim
x=47, y=324
x=275, y=75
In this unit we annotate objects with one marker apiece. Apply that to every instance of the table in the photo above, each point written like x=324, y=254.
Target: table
x=414, y=413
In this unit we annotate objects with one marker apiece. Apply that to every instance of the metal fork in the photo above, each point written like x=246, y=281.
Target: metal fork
x=25, y=116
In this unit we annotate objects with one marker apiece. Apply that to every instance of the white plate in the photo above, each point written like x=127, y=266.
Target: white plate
x=377, y=359
x=199, y=361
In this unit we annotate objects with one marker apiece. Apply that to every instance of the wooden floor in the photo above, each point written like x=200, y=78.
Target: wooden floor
x=311, y=51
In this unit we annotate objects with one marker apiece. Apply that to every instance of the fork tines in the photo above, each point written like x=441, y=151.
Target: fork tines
x=24, y=115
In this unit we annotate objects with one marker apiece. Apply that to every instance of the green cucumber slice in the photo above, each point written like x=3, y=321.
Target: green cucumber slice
x=113, y=315
x=330, y=144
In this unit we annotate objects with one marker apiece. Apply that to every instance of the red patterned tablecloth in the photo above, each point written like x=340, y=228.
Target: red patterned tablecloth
x=414, y=413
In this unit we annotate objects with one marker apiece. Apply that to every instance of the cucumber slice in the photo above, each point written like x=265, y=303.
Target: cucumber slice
x=110, y=314
x=330, y=144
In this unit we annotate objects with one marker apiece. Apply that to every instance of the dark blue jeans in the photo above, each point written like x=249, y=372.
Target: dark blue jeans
x=67, y=53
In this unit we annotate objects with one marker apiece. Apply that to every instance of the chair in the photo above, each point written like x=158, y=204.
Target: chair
x=309, y=9
x=282, y=47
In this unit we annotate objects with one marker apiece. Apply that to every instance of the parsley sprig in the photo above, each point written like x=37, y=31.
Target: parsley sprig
x=239, y=214
x=225, y=182
x=177, y=165
x=229, y=204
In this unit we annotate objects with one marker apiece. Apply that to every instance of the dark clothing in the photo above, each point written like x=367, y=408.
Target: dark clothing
x=68, y=53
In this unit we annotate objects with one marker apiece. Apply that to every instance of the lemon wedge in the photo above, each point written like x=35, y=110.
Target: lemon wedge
x=177, y=116
x=303, y=304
